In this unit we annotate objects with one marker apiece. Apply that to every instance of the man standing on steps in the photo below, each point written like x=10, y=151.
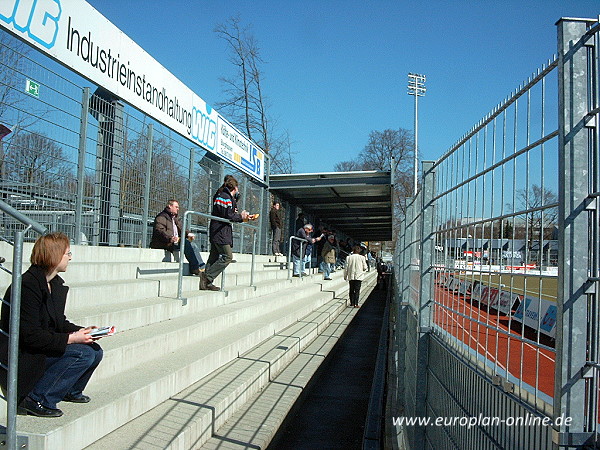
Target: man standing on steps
x=221, y=233
x=275, y=219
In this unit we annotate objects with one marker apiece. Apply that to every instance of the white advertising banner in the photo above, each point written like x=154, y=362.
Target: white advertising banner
x=484, y=295
x=454, y=285
x=504, y=301
x=531, y=309
x=78, y=36
x=464, y=287
x=476, y=291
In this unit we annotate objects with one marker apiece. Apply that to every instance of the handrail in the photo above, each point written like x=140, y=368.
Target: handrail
x=35, y=226
x=15, y=313
x=13, y=341
x=290, y=256
x=254, y=229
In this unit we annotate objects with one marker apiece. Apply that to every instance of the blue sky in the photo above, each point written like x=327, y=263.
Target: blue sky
x=336, y=70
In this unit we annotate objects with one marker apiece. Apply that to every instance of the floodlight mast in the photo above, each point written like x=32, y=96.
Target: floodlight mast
x=416, y=87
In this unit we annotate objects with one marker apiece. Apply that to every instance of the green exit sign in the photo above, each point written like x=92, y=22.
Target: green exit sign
x=32, y=88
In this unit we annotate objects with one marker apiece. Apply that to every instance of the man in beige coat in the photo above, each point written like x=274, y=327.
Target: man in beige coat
x=356, y=266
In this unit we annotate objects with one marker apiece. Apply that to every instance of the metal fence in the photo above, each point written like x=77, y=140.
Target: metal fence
x=78, y=160
x=498, y=259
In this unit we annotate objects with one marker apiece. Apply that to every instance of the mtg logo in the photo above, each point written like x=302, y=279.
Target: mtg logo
x=38, y=18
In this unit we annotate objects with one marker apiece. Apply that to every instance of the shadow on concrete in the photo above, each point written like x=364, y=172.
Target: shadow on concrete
x=331, y=412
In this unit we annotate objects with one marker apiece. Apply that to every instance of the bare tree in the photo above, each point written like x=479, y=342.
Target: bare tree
x=246, y=105
x=383, y=149
x=17, y=109
x=347, y=166
x=238, y=88
x=36, y=160
x=167, y=178
x=133, y=175
x=541, y=221
x=282, y=157
x=382, y=145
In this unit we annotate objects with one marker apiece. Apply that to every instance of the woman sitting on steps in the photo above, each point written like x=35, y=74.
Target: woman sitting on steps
x=56, y=357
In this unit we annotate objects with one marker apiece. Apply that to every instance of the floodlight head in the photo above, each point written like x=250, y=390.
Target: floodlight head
x=416, y=84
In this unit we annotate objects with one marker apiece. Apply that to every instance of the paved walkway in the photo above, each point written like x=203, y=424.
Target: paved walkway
x=332, y=412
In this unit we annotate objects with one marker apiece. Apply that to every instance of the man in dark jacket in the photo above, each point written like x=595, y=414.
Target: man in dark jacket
x=275, y=219
x=221, y=233
x=167, y=235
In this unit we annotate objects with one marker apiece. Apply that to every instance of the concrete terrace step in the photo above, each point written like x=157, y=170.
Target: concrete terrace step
x=131, y=392
x=137, y=312
x=110, y=254
x=255, y=424
x=188, y=419
x=126, y=349
x=155, y=283
x=113, y=263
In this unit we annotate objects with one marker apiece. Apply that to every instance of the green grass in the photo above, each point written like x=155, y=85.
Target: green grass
x=533, y=286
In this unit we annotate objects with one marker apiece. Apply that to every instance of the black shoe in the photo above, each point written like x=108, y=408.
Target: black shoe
x=328, y=279
x=203, y=281
x=195, y=272
x=212, y=287
x=33, y=408
x=295, y=275
x=80, y=398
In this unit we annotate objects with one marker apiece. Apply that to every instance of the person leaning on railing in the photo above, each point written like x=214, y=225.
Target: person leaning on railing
x=303, y=233
x=56, y=357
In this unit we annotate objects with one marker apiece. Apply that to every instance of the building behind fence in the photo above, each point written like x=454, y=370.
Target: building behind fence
x=498, y=259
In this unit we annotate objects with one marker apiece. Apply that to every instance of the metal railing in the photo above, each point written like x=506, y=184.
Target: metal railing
x=186, y=215
x=15, y=313
x=499, y=262
x=289, y=257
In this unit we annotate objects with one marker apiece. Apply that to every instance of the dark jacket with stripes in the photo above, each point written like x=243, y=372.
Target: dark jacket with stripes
x=225, y=206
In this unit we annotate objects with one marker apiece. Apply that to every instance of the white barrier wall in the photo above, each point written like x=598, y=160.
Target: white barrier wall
x=536, y=313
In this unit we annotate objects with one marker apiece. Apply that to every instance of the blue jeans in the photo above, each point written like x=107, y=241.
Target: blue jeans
x=194, y=259
x=306, y=262
x=67, y=374
x=326, y=269
x=298, y=264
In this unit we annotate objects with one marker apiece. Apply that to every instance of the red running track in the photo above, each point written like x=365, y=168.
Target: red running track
x=527, y=362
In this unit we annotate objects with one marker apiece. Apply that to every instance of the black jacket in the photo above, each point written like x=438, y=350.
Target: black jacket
x=301, y=233
x=163, y=230
x=225, y=206
x=275, y=218
x=44, y=329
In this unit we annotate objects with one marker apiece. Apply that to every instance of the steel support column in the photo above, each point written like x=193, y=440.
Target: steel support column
x=572, y=397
